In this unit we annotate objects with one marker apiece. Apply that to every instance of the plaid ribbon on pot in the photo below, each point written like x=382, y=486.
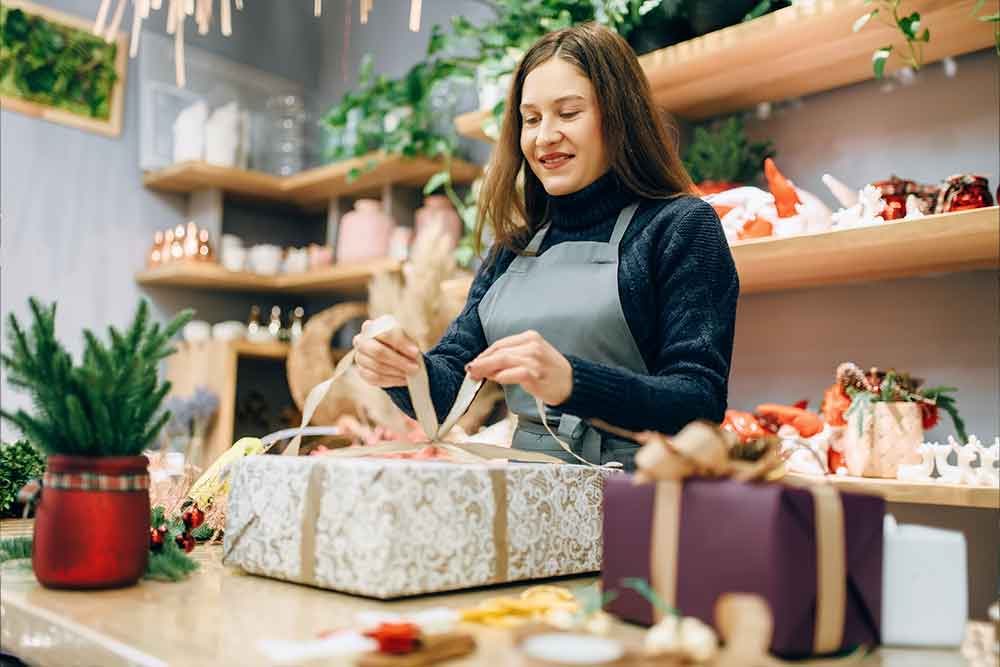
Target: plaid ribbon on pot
x=90, y=481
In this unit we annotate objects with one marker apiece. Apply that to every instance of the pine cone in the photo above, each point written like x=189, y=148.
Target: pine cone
x=850, y=374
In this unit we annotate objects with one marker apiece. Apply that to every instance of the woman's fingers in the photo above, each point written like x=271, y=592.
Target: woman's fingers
x=516, y=375
x=516, y=340
x=388, y=356
x=377, y=380
x=487, y=366
x=401, y=343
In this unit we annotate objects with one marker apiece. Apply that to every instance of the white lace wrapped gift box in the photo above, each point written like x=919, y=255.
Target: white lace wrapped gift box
x=387, y=528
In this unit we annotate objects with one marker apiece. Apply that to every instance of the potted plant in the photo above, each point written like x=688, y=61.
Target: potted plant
x=723, y=158
x=19, y=464
x=93, y=420
x=887, y=417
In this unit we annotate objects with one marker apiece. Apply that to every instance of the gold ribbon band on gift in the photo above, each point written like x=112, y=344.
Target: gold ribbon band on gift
x=420, y=395
x=701, y=450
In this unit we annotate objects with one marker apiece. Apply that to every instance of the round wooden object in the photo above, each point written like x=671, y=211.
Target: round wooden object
x=310, y=361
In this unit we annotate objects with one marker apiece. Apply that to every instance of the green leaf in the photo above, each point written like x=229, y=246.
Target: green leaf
x=909, y=25
x=437, y=181
x=863, y=20
x=925, y=36
x=878, y=60
x=642, y=587
x=991, y=18
x=762, y=8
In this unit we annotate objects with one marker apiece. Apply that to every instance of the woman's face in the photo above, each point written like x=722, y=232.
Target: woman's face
x=561, y=128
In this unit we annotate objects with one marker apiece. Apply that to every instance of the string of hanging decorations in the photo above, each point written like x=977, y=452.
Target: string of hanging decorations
x=203, y=12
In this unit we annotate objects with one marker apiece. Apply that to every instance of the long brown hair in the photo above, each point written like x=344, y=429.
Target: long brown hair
x=635, y=136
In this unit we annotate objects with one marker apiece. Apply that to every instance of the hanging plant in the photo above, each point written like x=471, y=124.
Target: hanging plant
x=913, y=31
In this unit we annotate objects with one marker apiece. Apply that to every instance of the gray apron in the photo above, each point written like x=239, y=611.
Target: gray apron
x=569, y=295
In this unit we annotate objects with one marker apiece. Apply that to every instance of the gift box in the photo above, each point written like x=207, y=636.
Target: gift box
x=702, y=538
x=388, y=528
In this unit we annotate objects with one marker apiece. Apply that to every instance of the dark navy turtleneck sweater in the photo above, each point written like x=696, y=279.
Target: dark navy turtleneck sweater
x=678, y=289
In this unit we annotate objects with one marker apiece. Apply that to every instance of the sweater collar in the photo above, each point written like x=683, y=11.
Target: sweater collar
x=592, y=205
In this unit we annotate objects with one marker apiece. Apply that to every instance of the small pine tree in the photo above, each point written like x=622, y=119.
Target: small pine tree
x=726, y=155
x=107, y=405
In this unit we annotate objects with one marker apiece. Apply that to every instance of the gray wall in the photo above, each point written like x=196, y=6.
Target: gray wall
x=77, y=222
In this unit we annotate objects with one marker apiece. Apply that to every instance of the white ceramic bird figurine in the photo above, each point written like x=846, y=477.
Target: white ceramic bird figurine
x=918, y=472
x=989, y=475
x=966, y=456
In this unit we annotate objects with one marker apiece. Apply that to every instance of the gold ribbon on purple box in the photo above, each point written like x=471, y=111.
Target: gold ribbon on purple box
x=701, y=450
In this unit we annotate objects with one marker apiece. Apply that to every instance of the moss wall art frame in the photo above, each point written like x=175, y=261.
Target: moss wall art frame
x=54, y=68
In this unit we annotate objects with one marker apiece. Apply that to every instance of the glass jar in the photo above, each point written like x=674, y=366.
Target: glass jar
x=285, y=135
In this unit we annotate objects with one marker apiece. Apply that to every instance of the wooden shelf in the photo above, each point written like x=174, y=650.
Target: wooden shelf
x=273, y=350
x=920, y=493
x=949, y=242
x=309, y=189
x=807, y=48
x=340, y=278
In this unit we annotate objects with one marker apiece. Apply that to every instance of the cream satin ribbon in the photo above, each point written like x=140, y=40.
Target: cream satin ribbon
x=700, y=449
x=420, y=395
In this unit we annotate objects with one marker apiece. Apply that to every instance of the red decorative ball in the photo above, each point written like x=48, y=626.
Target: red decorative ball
x=155, y=539
x=185, y=542
x=193, y=518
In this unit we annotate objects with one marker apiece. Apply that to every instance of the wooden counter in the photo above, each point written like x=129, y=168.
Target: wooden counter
x=216, y=615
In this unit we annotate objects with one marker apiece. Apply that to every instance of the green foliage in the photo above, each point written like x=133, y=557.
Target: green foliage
x=892, y=388
x=944, y=401
x=642, y=587
x=56, y=65
x=19, y=464
x=725, y=154
x=15, y=548
x=170, y=563
x=107, y=405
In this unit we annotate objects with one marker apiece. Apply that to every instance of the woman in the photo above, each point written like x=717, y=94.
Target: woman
x=616, y=301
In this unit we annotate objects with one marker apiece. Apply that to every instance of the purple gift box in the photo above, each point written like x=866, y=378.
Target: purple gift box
x=738, y=537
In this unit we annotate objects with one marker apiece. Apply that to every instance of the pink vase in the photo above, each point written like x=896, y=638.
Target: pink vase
x=364, y=232
x=437, y=210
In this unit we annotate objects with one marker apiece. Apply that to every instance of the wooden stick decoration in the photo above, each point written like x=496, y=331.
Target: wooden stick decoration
x=156, y=4
x=172, y=11
x=317, y=7
x=204, y=16
x=226, y=17
x=133, y=48
x=415, y=15
x=144, y=9
x=102, y=16
x=115, y=22
x=239, y=5
x=179, y=69
x=189, y=7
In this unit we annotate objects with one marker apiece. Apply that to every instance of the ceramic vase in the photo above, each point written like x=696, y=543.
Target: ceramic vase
x=877, y=441
x=364, y=232
x=92, y=522
x=437, y=210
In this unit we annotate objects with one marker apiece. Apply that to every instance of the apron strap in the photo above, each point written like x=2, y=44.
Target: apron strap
x=624, y=218
x=536, y=242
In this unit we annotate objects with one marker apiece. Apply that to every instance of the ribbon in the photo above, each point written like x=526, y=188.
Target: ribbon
x=418, y=385
x=702, y=450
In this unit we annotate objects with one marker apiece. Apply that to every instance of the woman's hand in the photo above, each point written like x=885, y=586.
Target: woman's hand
x=529, y=360
x=385, y=361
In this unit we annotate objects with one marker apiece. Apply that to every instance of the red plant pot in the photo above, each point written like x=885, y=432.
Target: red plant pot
x=92, y=537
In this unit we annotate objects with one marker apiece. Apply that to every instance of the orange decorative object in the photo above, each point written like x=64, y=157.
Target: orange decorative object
x=835, y=404
x=755, y=228
x=714, y=187
x=424, y=454
x=785, y=197
x=744, y=425
x=396, y=638
x=806, y=423
x=834, y=460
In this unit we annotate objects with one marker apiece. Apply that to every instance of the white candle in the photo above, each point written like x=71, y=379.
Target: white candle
x=565, y=648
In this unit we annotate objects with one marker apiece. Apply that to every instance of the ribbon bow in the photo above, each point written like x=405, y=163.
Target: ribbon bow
x=702, y=449
x=420, y=395
x=699, y=450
